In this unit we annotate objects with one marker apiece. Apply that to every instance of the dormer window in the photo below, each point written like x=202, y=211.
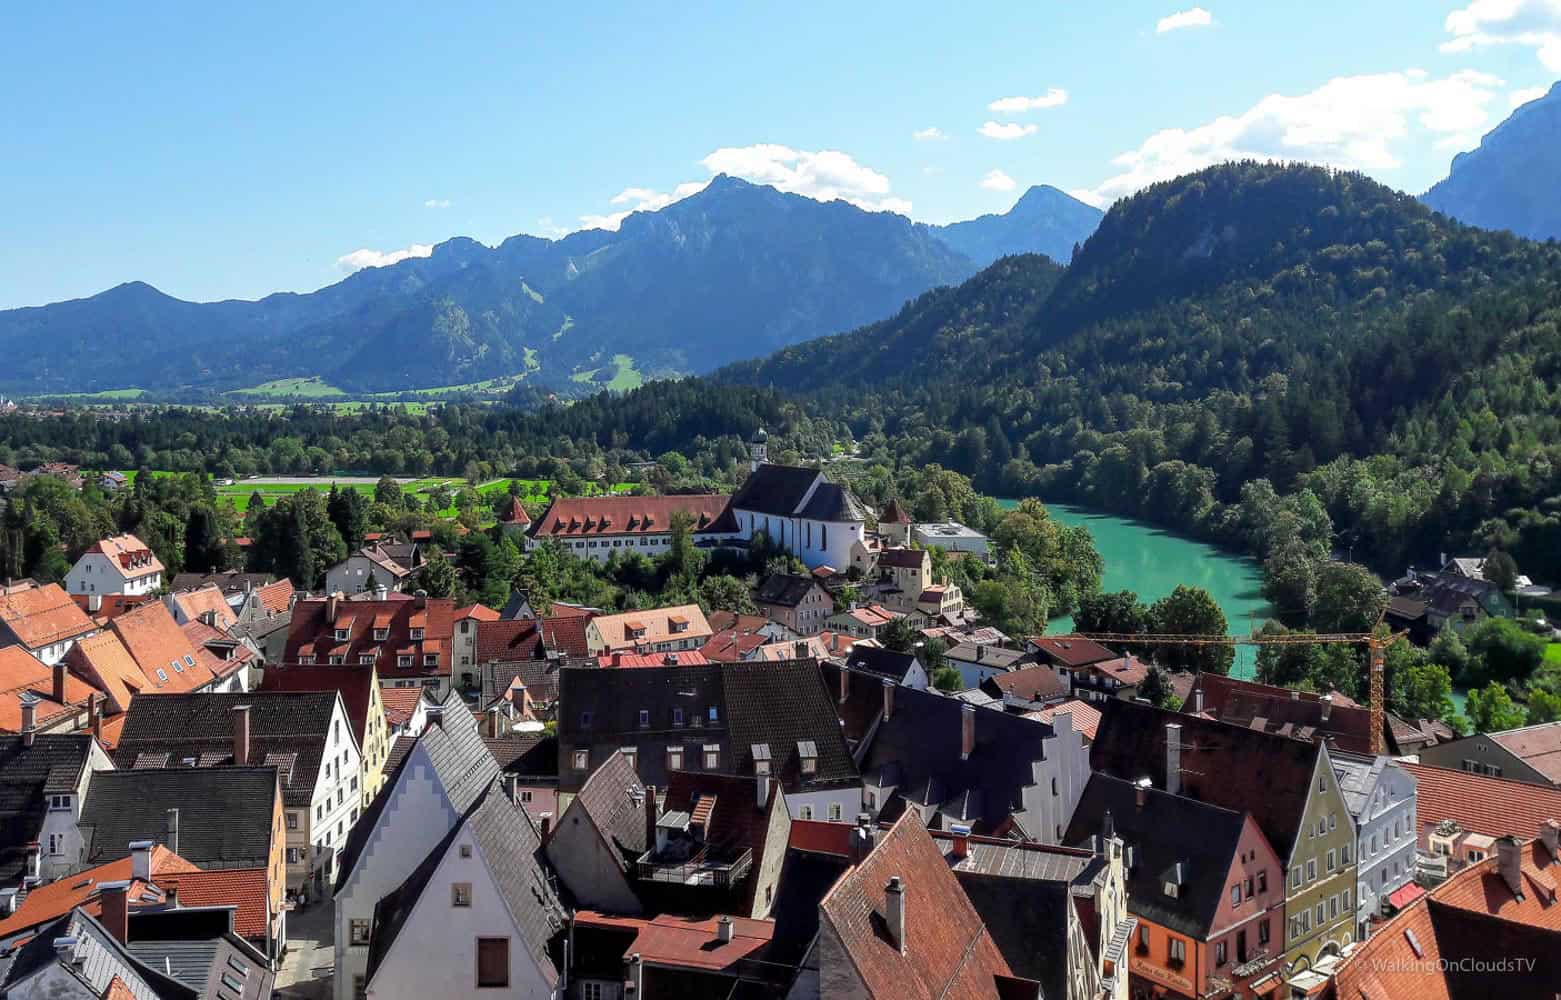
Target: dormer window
x=365, y=659
x=674, y=758
x=176, y=667
x=430, y=659
x=807, y=753
x=677, y=625
x=342, y=635
x=381, y=634
x=306, y=661
x=404, y=660
x=337, y=661
x=417, y=633
x=712, y=756
x=715, y=715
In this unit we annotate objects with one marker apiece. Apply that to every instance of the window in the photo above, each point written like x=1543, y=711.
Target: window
x=359, y=930
x=1346, y=900
x=189, y=660
x=1176, y=951
x=675, y=758
x=337, y=661
x=1247, y=886
x=1262, y=881
x=806, y=812
x=319, y=811
x=381, y=634
x=630, y=754
x=466, y=850
x=492, y=963
x=57, y=802
x=460, y=894
x=1333, y=857
x=1322, y=783
x=1220, y=954
x=582, y=760
x=56, y=843
x=1262, y=932
x=162, y=675
x=365, y=659
x=294, y=855
x=1333, y=822
x=1235, y=898
x=1344, y=853
x=1319, y=914
x=712, y=756
x=834, y=812
x=644, y=718
x=1311, y=869
x=585, y=720
x=677, y=716
x=715, y=714
x=417, y=633
x=342, y=634
x=1295, y=877
x=292, y=820
x=591, y=991
x=430, y=659
x=525, y=795
x=404, y=661
x=307, y=661
x=176, y=667
x=1143, y=937
x=809, y=765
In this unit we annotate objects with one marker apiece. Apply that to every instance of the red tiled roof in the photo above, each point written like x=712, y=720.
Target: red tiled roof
x=480, y=612
x=312, y=633
x=515, y=513
x=134, y=557
x=652, y=625
x=947, y=954
x=400, y=703
x=685, y=942
x=55, y=899
x=561, y=610
x=873, y=615
x=21, y=672
x=109, y=730
x=730, y=646
x=1537, y=746
x=43, y=615
x=682, y=658
x=1128, y=670
x=1086, y=718
x=1494, y=807
x=1030, y=683
x=194, y=603
x=105, y=662
x=1404, y=895
x=1240, y=703
x=157, y=643
x=518, y=639
x=1072, y=650
x=590, y=517
x=276, y=596
x=894, y=514
x=821, y=837
x=111, y=606
x=244, y=888
x=117, y=990
x=356, y=686
x=566, y=635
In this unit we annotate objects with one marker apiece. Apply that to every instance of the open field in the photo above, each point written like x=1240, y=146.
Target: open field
x=105, y=396
x=627, y=376
x=312, y=387
x=1553, y=653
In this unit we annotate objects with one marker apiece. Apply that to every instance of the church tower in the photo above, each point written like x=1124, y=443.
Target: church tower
x=760, y=452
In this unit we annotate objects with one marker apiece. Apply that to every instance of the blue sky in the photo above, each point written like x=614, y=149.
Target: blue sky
x=219, y=150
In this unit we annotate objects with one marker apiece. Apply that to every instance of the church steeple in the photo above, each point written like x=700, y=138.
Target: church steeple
x=759, y=452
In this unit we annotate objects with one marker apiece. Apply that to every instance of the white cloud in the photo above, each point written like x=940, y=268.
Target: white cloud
x=1535, y=24
x=437, y=203
x=929, y=134
x=824, y=175
x=1089, y=197
x=551, y=229
x=1518, y=98
x=996, y=180
x=1053, y=98
x=1006, y=131
x=1352, y=122
x=359, y=259
x=1195, y=17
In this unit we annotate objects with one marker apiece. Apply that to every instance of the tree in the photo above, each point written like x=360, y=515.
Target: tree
x=388, y=492
x=1491, y=709
x=1118, y=612
x=948, y=679
x=1290, y=581
x=1448, y=650
x=1502, y=650
x=1543, y=707
x=1419, y=687
x=437, y=576
x=203, y=546
x=345, y=509
x=1349, y=598
x=1156, y=690
x=899, y=635
x=1191, y=611
x=1501, y=570
x=724, y=592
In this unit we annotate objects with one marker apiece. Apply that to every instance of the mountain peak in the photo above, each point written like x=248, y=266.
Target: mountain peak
x=1508, y=181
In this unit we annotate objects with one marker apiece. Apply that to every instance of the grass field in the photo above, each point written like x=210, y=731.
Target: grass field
x=106, y=396
x=627, y=377
x=240, y=492
x=312, y=387
x=1553, y=653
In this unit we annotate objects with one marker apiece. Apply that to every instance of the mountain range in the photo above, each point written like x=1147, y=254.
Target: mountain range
x=733, y=271
x=1511, y=180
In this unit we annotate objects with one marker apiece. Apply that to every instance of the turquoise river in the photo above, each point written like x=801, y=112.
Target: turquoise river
x=1152, y=561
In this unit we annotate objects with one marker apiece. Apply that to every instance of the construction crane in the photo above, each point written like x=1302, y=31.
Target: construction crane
x=1376, y=648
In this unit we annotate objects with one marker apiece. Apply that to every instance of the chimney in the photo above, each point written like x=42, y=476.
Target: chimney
x=1327, y=704
x=1550, y=836
x=94, y=603
x=141, y=860
x=861, y=842
x=1295, y=695
x=633, y=973
x=420, y=599
x=723, y=930
x=115, y=917
x=58, y=694
x=512, y=788
x=1173, y=758
x=330, y=610
x=967, y=730
x=65, y=948
x=171, y=830
x=381, y=592
x=650, y=817
x=1108, y=826
x=845, y=684
x=762, y=790
x=29, y=717
x=1197, y=700
x=888, y=699
x=980, y=653
x=240, y=719
x=9, y=901
x=495, y=723
x=546, y=824
x=961, y=832
x=894, y=912
x=1142, y=786
x=1509, y=861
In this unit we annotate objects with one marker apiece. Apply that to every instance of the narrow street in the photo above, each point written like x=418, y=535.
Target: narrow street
x=306, y=968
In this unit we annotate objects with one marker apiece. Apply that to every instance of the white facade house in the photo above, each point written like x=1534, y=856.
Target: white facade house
x=443, y=774
x=474, y=918
x=119, y=565
x=337, y=799
x=1382, y=802
x=370, y=568
x=951, y=536
x=798, y=510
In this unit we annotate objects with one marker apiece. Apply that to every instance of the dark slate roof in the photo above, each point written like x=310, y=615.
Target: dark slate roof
x=774, y=489
x=196, y=947
x=287, y=728
x=1167, y=832
x=805, y=878
x=528, y=755
x=27, y=774
x=1028, y=921
x=98, y=960
x=614, y=797
x=461, y=762
x=397, y=753
x=786, y=589
x=881, y=662
x=225, y=813
x=1447, y=592
x=539, y=676
x=783, y=703
x=917, y=750
x=516, y=607
x=831, y=502
x=1242, y=769
x=902, y=558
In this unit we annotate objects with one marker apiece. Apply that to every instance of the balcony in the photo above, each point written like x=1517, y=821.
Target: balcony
x=705, y=868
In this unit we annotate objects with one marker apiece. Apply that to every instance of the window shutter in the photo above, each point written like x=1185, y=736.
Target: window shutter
x=493, y=961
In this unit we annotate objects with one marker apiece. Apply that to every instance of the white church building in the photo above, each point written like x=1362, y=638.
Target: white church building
x=796, y=508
